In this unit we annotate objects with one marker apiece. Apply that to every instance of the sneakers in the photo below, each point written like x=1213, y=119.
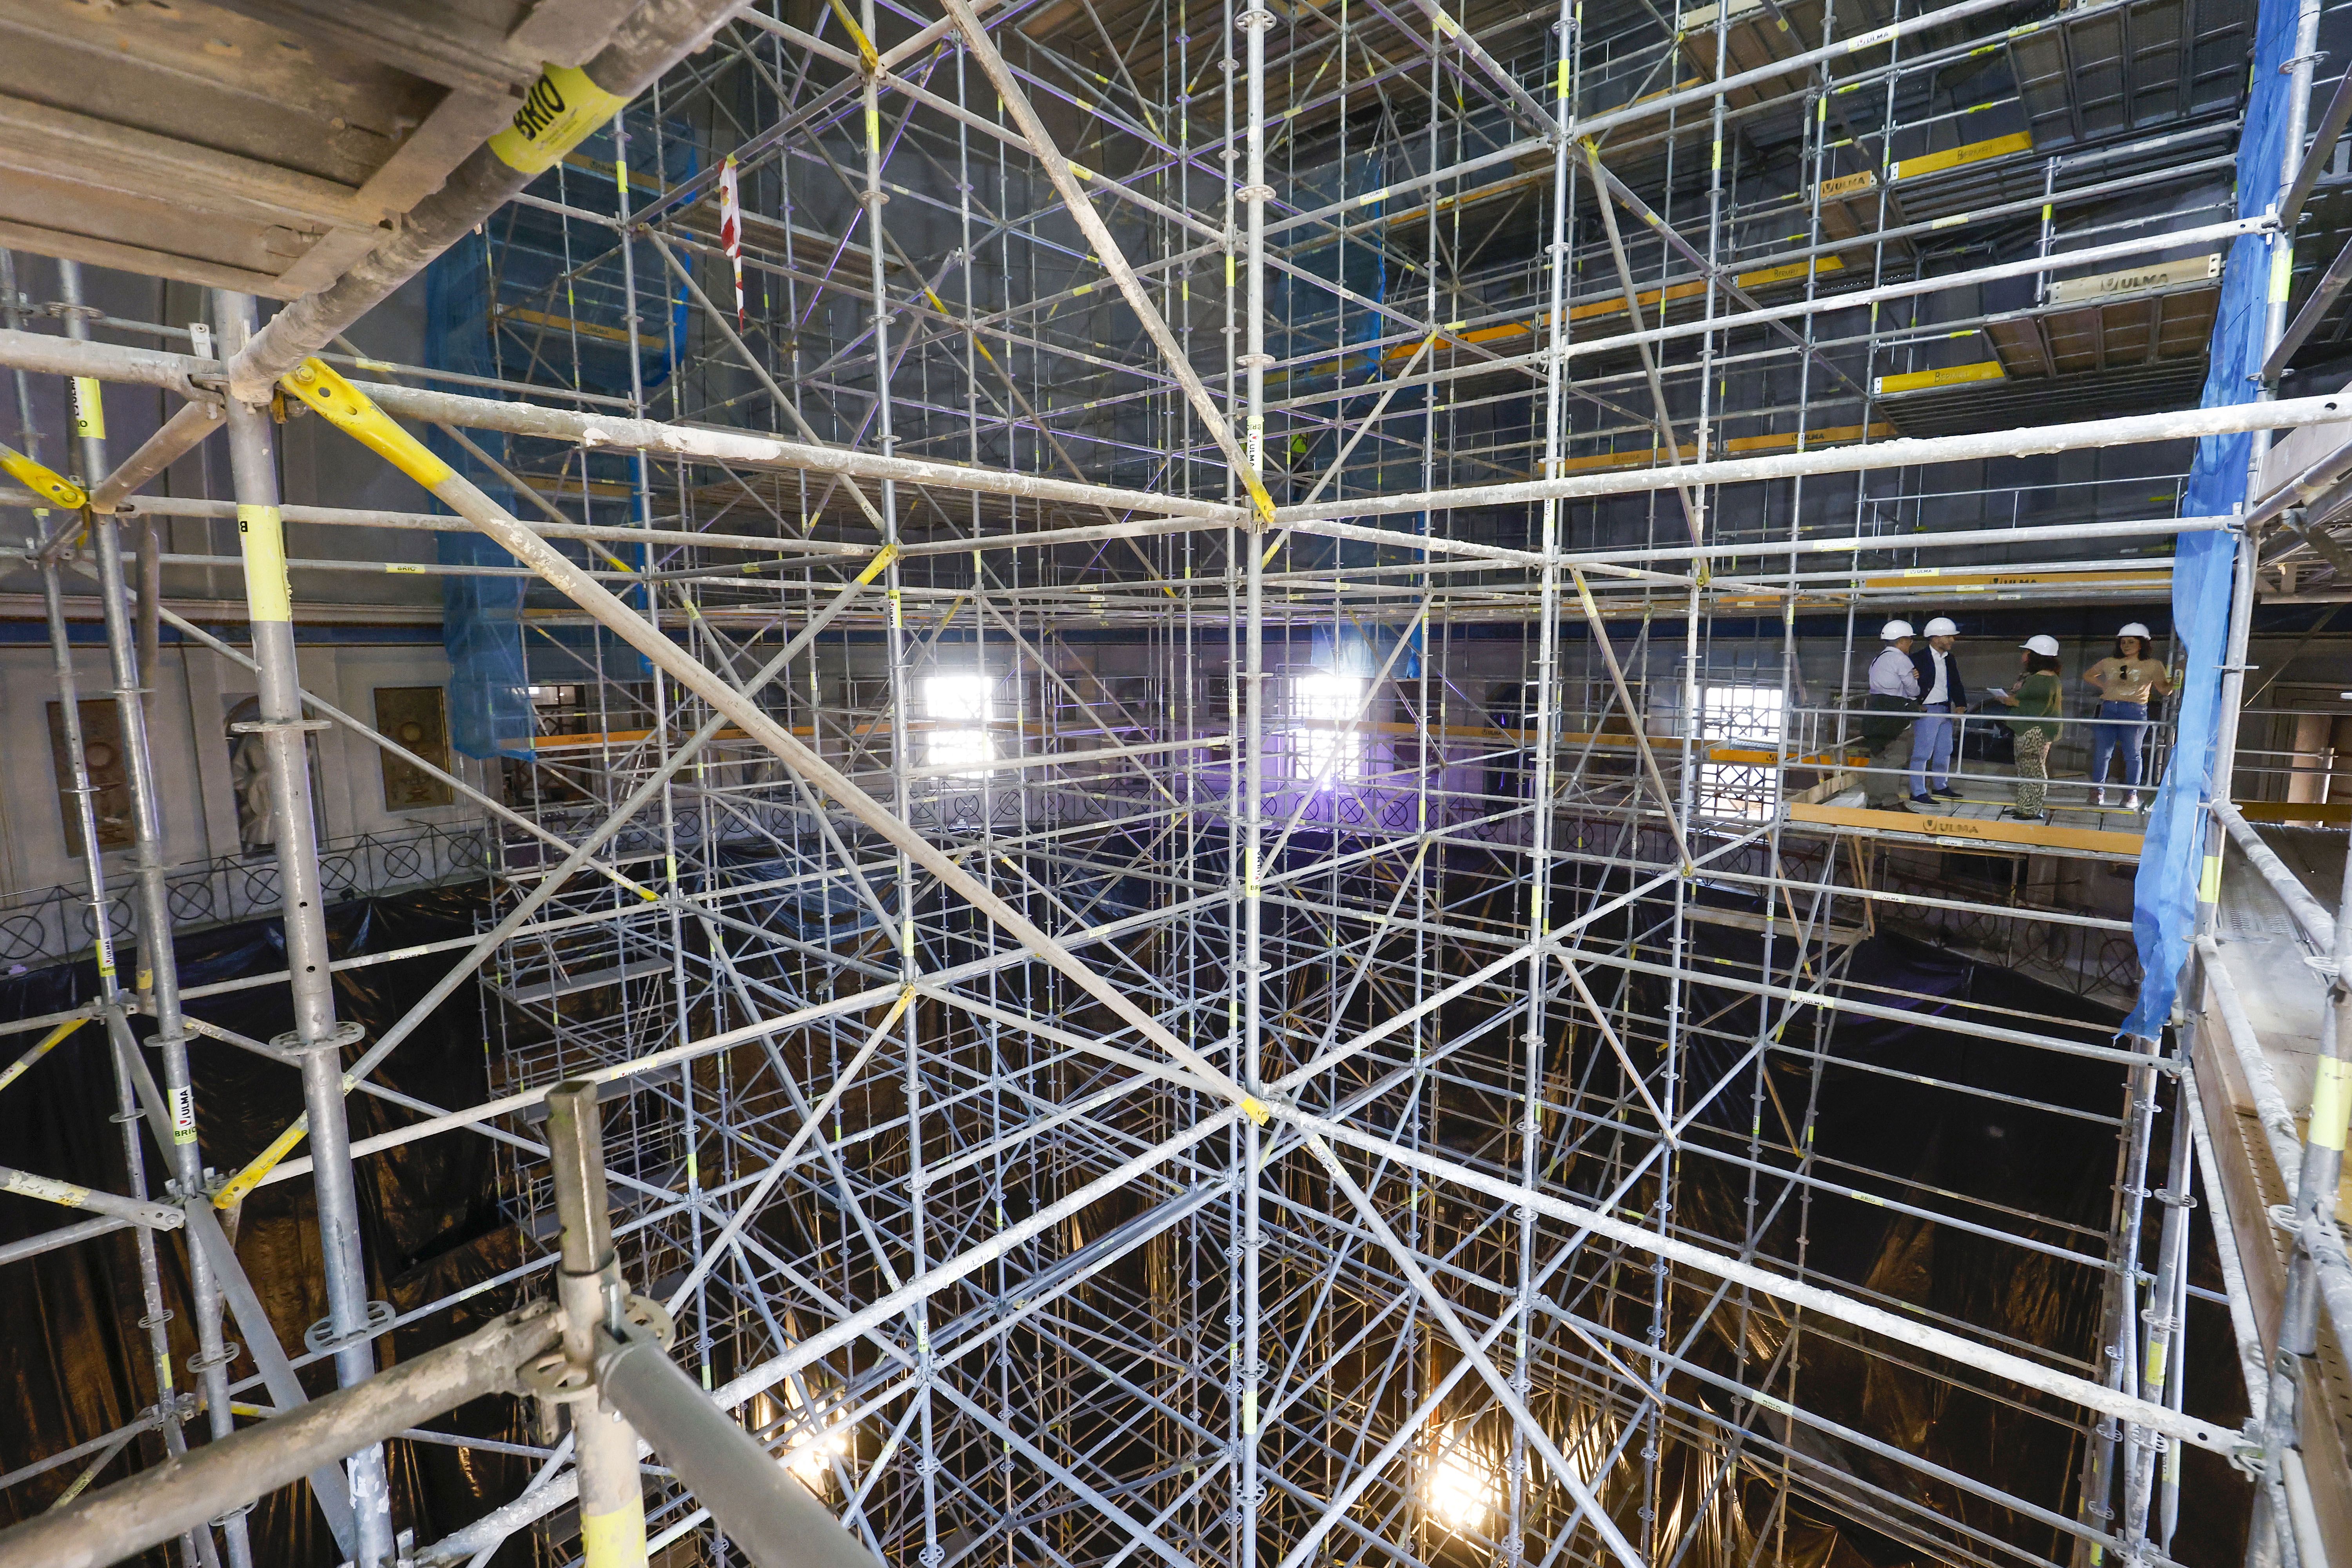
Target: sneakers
x=1923, y=802
x=2099, y=798
x=1945, y=792
x=2131, y=803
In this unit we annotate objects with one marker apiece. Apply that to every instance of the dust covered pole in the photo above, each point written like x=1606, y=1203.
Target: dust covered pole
x=612, y=1498
x=156, y=1505
x=317, y=1038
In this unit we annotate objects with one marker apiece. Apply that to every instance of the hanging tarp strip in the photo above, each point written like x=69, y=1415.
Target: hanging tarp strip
x=2171, y=868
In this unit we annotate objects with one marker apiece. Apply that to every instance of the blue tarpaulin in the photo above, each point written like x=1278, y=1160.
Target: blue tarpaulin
x=2164, y=897
x=481, y=617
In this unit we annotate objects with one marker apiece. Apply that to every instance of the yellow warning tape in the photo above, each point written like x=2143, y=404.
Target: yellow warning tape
x=261, y=540
x=557, y=115
x=89, y=407
x=42, y=481
x=2331, y=1102
x=615, y=1538
x=350, y=410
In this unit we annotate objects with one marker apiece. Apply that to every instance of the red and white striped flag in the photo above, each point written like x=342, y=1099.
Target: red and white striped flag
x=730, y=229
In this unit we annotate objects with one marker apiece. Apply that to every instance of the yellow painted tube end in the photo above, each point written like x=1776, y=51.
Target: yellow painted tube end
x=1259, y=499
x=350, y=410
x=252, y=1177
x=18, y=1068
x=613, y=1540
x=43, y=481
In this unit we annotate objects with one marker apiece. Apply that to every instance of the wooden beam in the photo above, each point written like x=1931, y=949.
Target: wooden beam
x=2331, y=812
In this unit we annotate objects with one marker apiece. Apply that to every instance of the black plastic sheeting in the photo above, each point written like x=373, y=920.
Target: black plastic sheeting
x=75, y=1364
x=1941, y=1149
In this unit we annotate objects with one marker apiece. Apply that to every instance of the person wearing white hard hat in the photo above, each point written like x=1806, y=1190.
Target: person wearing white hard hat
x=2038, y=697
x=1942, y=694
x=1893, y=689
x=2125, y=684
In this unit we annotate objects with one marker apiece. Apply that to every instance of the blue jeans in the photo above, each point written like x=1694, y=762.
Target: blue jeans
x=2109, y=734
x=1931, y=747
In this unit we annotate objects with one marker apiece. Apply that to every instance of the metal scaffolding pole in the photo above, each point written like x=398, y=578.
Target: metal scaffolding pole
x=956, y=1057
x=158, y=971
x=318, y=1040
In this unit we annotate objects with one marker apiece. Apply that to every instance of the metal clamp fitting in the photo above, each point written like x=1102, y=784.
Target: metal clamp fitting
x=558, y=1380
x=290, y=1044
x=200, y=1363
x=320, y=1338
x=264, y=726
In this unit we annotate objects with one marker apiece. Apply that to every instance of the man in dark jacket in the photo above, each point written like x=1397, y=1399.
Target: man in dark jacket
x=1943, y=695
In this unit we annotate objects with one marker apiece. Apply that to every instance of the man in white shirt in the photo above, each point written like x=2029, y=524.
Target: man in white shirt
x=1942, y=694
x=1893, y=691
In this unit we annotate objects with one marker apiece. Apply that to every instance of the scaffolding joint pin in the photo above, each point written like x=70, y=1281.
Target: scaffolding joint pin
x=263, y=726
x=293, y=1048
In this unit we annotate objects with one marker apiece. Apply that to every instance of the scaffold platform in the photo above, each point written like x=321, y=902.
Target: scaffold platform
x=2089, y=832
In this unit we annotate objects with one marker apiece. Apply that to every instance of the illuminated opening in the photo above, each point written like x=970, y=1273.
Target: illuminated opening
x=1750, y=717
x=809, y=1455
x=1323, y=749
x=1459, y=1490
x=951, y=701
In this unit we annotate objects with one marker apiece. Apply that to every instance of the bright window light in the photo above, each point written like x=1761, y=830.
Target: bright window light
x=1330, y=700
x=1749, y=717
x=1459, y=1490
x=809, y=1456
x=964, y=696
x=959, y=699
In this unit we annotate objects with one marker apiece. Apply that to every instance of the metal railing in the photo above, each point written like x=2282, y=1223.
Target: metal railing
x=47, y=925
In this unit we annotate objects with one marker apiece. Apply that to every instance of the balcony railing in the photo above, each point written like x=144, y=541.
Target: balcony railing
x=48, y=925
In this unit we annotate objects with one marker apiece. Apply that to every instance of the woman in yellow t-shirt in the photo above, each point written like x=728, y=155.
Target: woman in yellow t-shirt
x=2125, y=684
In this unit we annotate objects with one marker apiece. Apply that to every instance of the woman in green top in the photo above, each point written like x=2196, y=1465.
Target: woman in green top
x=2036, y=696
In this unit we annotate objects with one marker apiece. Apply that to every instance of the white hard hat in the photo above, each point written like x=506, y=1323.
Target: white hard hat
x=1894, y=629
x=2138, y=630
x=2045, y=646
x=1942, y=626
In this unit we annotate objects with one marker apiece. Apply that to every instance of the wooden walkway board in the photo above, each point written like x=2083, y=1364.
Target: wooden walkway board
x=2332, y=814
x=1969, y=832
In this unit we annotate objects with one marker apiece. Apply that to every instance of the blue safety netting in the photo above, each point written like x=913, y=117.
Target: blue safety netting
x=481, y=617
x=2171, y=867
x=559, y=296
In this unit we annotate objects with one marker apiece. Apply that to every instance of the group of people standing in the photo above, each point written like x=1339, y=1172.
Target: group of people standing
x=1916, y=685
